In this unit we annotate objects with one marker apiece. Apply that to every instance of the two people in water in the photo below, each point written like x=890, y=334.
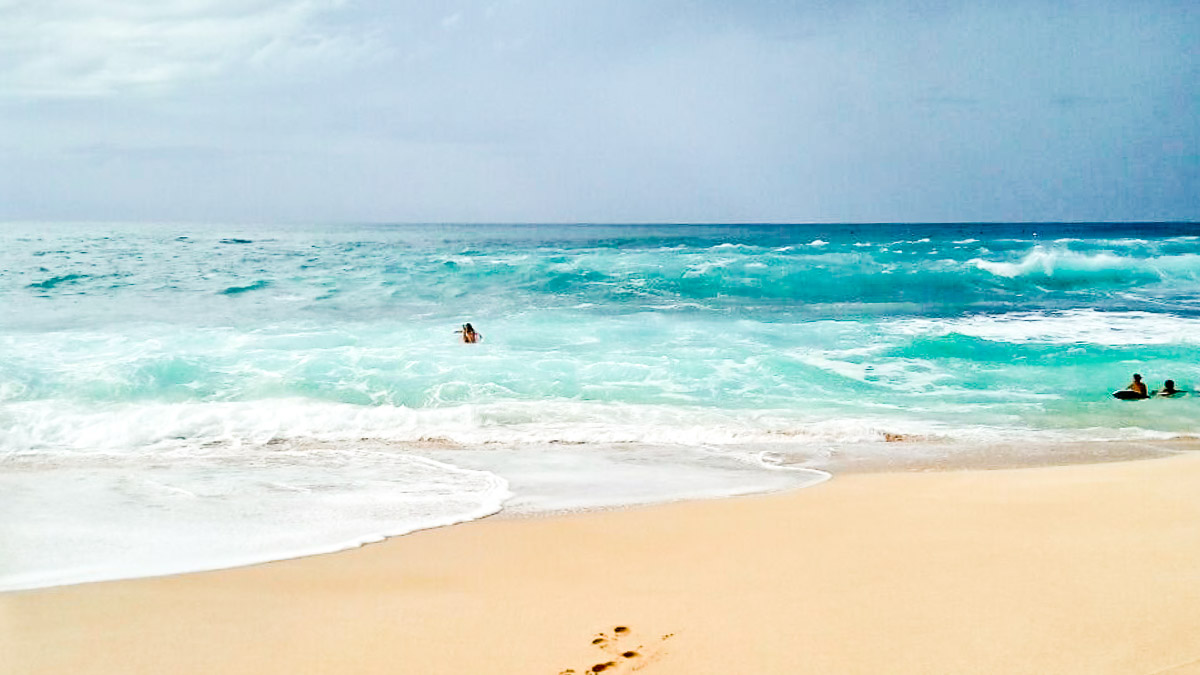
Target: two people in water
x=469, y=335
x=1137, y=389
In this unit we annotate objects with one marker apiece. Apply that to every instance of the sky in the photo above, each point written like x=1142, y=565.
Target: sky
x=599, y=111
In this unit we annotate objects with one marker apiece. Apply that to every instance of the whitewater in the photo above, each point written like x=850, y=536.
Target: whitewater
x=176, y=398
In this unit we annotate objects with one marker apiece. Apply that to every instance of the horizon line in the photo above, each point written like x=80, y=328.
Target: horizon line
x=585, y=223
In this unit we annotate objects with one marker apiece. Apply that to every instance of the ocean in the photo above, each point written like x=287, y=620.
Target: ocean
x=186, y=397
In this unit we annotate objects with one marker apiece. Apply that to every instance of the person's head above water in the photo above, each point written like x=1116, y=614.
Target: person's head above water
x=1169, y=385
x=469, y=334
x=1136, y=376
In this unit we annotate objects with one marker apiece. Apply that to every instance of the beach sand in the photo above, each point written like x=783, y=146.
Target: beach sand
x=1073, y=569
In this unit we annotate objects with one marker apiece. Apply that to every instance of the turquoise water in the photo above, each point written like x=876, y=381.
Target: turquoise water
x=142, y=364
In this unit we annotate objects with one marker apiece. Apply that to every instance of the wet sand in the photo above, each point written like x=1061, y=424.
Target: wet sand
x=1065, y=569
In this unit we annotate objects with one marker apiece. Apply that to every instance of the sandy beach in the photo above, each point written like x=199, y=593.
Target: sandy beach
x=1073, y=569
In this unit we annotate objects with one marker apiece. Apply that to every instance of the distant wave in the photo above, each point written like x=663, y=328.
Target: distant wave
x=234, y=290
x=1076, y=267
x=55, y=281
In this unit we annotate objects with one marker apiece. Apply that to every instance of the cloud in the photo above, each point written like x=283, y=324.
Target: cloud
x=426, y=110
x=87, y=48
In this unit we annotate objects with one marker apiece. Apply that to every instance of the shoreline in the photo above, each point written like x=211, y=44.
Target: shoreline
x=1069, y=569
x=936, y=455
x=931, y=456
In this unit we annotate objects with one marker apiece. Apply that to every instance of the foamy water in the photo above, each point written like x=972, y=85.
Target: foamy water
x=175, y=399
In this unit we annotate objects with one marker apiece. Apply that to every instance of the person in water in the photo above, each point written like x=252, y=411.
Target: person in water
x=469, y=335
x=1168, y=389
x=1137, y=385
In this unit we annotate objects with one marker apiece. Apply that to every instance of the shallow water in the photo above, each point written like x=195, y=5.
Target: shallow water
x=216, y=394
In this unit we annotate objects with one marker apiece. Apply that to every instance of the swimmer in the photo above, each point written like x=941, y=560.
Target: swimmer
x=469, y=335
x=1136, y=386
x=1169, y=389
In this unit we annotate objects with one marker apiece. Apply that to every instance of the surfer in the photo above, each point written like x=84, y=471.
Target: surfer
x=1136, y=386
x=469, y=335
x=1169, y=389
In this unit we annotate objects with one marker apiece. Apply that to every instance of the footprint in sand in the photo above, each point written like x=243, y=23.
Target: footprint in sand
x=619, y=654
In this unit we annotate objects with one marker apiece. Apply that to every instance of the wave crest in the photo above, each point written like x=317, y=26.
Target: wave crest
x=1064, y=265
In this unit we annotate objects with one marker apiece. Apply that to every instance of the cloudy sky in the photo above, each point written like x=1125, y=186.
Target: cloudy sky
x=599, y=110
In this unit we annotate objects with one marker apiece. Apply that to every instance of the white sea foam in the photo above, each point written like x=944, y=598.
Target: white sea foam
x=702, y=268
x=585, y=476
x=52, y=426
x=185, y=427
x=1074, y=327
x=71, y=518
x=908, y=375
